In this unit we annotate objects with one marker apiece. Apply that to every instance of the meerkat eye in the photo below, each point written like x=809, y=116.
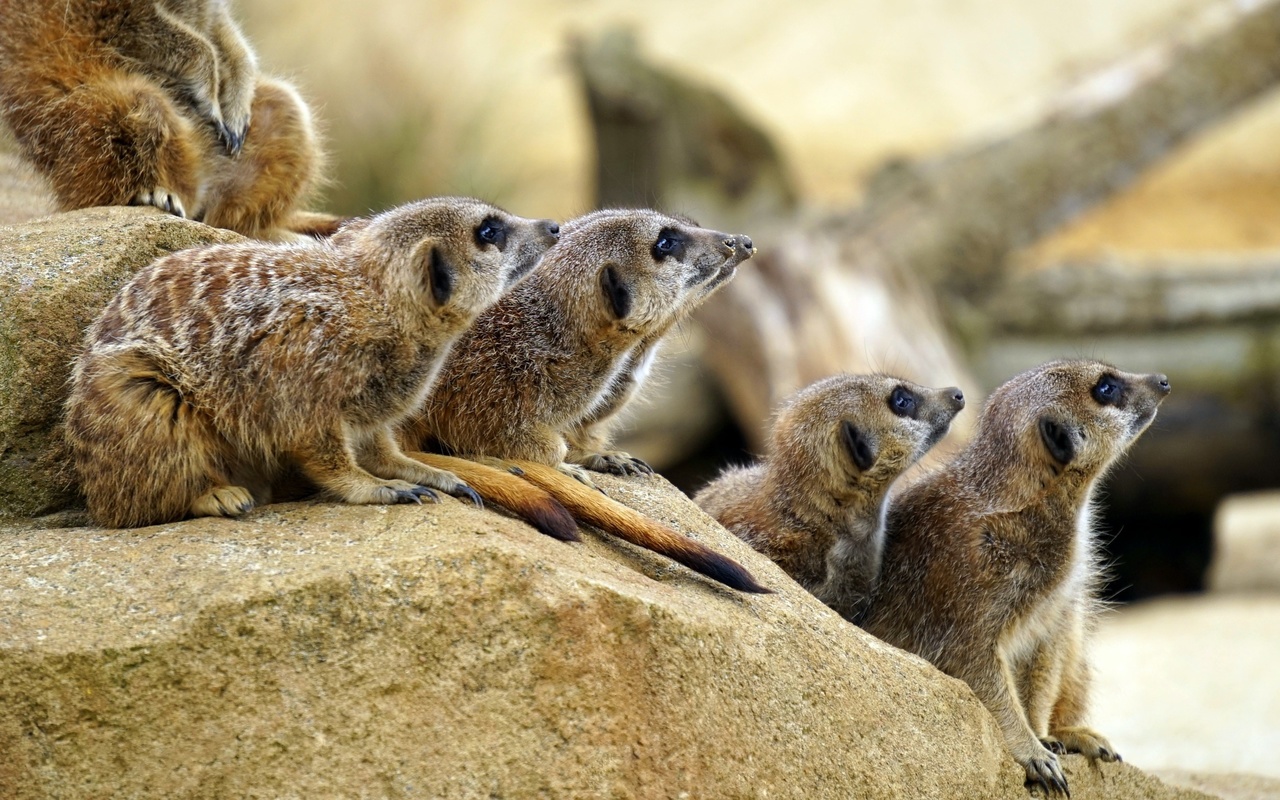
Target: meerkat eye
x=492, y=231
x=669, y=242
x=1107, y=391
x=903, y=402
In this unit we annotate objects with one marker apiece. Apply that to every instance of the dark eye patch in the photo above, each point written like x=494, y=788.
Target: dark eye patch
x=1108, y=391
x=904, y=403
x=492, y=231
x=670, y=242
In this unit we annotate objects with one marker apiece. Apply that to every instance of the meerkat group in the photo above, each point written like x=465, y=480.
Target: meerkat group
x=987, y=567
x=448, y=345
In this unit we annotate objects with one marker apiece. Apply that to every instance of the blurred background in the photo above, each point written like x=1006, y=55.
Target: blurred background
x=948, y=190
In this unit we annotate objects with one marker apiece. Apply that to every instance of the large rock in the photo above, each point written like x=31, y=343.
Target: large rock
x=1246, y=544
x=56, y=275
x=446, y=651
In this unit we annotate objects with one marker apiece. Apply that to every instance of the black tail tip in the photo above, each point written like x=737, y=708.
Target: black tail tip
x=727, y=571
x=554, y=520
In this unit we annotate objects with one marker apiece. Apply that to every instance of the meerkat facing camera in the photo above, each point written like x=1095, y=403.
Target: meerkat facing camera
x=815, y=503
x=215, y=368
x=990, y=567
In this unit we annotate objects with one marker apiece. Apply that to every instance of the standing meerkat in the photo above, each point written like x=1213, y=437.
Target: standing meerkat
x=558, y=354
x=990, y=567
x=815, y=503
x=156, y=102
x=215, y=368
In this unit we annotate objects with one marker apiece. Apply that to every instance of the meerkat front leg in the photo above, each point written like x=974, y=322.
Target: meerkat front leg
x=993, y=683
x=380, y=454
x=1039, y=689
x=239, y=73
x=328, y=460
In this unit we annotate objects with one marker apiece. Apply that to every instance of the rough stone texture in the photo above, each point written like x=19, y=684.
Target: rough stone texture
x=1190, y=683
x=56, y=274
x=444, y=651
x=1246, y=544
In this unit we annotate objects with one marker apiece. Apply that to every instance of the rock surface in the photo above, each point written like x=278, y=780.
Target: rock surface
x=56, y=275
x=445, y=651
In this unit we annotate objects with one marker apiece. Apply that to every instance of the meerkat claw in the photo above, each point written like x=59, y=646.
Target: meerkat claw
x=464, y=492
x=416, y=494
x=1054, y=746
x=642, y=466
x=232, y=140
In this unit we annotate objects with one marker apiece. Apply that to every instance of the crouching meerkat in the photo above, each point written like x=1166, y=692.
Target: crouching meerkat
x=815, y=503
x=215, y=368
x=157, y=102
x=563, y=352
x=990, y=566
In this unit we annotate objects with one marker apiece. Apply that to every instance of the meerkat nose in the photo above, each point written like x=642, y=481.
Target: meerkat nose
x=553, y=229
x=746, y=243
x=1162, y=384
x=956, y=396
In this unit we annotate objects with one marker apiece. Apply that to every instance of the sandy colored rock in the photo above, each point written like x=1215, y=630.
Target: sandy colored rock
x=444, y=651
x=1246, y=544
x=56, y=275
x=1190, y=683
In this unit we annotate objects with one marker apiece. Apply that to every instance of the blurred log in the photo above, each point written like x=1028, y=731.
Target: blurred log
x=857, y=291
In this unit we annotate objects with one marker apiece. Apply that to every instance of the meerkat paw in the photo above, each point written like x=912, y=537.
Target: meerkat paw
x=1085, y=741
x=391, y=493
x=616, y=462
x=578, y=474
x=224, y=501
x=1045, y=772
x=162, y=199
x=446, y=482
x=233, y=122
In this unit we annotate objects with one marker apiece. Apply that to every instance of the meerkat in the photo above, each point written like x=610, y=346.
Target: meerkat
x=160, y=103
x=990, y=567
x=554, y=352
x=815, y=503
x=215, y=368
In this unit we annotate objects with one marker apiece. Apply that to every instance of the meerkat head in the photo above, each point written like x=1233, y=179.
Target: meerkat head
x=858, y=433
x=455, y=255
x=1074, y=416
x=647, y=267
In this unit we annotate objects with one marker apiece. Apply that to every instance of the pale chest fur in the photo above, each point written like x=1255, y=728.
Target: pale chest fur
x=1057, y=605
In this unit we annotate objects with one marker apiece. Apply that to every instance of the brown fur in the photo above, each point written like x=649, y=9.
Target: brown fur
x=155, y=102
x=217, y=369
x=989, y=567
x=813, y=504
x=556, y=354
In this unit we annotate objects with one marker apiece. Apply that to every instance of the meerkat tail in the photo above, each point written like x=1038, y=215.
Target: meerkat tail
x=591, y=506
x=530, y=503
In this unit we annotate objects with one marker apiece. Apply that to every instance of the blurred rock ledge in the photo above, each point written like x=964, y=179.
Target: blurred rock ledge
x=1246, y=544
x=446, y=651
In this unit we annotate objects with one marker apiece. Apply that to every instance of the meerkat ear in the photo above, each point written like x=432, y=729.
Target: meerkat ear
x=616, y=292
x=1058, y=440
x=440, y=272
x=859, y=447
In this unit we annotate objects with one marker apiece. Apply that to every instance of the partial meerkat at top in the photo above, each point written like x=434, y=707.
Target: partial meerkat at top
x=216, y=368
x=563, y=352
x=815, y=503
x=990, y=568
x=157, y=102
